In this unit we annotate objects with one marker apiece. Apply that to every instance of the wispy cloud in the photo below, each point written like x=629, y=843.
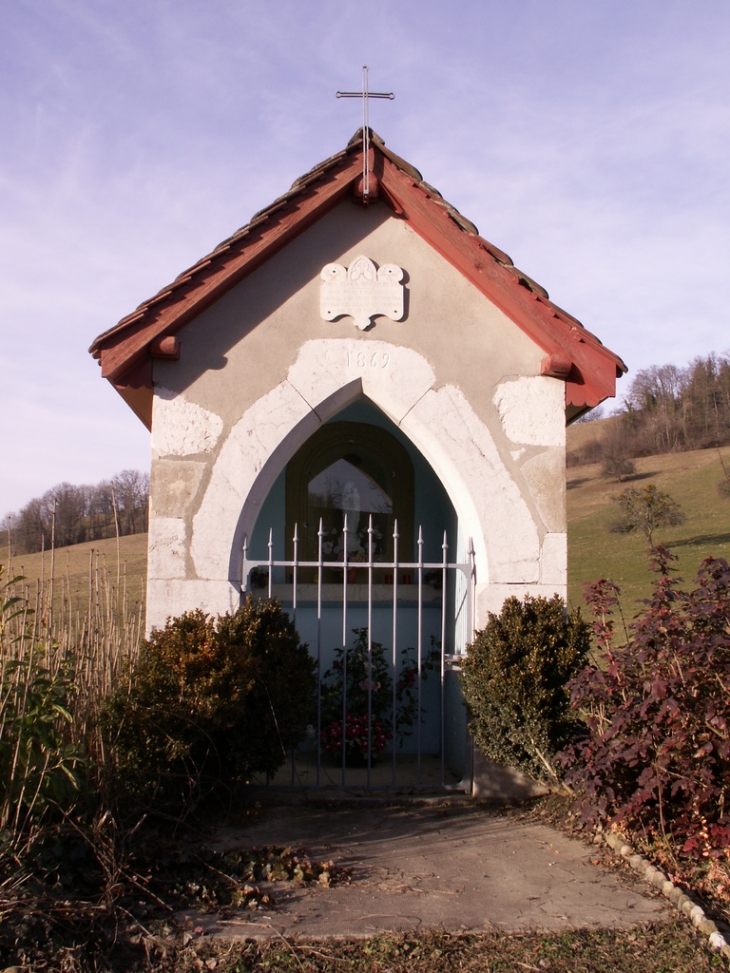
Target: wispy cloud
x=588, y=140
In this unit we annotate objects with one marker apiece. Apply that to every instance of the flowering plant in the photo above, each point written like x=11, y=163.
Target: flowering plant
x=356, y=736
x=365, y=679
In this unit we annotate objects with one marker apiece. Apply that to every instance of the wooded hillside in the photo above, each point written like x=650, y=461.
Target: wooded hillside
x=69, y=514
x=665, y=409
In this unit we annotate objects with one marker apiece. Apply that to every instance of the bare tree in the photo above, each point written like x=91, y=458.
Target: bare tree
x=132, y=490
x=647, y=509
x=101, y=510
x=723, y=487
x=81, y=513
x=72, y=505
x=616, y=462
x=592, y=415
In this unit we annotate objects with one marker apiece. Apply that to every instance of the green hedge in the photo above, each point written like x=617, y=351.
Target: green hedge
x=514, y=682
x=209, y=703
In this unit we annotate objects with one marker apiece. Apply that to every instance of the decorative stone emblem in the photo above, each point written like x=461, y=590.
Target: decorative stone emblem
x=363, y=292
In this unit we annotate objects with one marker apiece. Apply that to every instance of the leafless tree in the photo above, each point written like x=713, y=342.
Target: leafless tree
x=82, y=513
x=132, y=489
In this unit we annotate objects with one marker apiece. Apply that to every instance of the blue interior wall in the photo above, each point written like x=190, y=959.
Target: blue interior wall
x=433, y=511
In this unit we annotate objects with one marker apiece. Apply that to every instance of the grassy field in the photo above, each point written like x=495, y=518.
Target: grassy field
x=691, y=478
x=79, y=567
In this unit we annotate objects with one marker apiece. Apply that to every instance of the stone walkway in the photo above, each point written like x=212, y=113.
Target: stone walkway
x=415, y=868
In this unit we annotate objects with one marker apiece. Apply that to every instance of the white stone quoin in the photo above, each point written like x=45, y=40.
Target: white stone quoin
x=456, y=376
x=388, y=307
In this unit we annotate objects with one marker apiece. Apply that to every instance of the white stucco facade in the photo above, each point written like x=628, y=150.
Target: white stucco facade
x=261, y=370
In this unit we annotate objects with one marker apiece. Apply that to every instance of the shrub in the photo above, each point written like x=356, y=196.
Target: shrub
x=208, y=704
x=646, y=509
x=514, y=680
x=38, y=766
x=618, y=467
x=657, y=753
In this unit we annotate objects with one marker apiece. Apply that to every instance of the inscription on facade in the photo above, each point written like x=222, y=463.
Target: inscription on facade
x=361, y=291
x=363, y=359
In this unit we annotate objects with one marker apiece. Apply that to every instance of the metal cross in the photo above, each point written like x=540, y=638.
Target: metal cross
x=366, y=95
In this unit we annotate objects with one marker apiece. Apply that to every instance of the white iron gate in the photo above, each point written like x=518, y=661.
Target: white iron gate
x=393, y=712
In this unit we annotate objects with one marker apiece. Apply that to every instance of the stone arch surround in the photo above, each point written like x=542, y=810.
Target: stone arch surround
x=327, y=376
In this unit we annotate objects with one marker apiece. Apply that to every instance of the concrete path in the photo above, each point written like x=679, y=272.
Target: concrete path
x=418, y=868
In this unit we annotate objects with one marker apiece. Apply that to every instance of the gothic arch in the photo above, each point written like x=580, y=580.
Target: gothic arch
x=328, y=375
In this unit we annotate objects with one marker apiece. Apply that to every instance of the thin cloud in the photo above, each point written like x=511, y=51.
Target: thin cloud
x=588, y=140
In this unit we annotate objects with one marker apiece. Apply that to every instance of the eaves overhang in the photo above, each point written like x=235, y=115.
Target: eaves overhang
x=572, y=354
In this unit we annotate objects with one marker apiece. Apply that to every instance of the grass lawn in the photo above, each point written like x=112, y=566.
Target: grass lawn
x=691, y=478
x=667, y=948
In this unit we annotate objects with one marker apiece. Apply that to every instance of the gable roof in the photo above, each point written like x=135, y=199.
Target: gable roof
x=573, y=354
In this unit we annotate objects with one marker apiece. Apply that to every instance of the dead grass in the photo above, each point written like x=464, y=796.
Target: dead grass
x=79, y=567
x=62, y=930
x=671, y=947
x=653, y=949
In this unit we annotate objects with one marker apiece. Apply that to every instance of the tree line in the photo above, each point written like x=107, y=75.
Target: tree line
x=69, y=514
x=668, y=409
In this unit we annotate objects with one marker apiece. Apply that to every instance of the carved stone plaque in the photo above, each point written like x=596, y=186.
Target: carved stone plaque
x=362, y=291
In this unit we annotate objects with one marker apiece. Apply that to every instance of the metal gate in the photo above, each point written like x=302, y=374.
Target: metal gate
x=394, y=728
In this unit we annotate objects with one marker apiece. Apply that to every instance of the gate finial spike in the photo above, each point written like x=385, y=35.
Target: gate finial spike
x=244, y=573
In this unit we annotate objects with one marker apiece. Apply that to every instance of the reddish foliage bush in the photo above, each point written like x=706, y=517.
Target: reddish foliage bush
x=657, y=751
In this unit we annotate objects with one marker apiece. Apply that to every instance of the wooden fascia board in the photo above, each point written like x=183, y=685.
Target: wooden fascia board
x=120, y=351
x=596, y=380
x=527, y=309
x=139, y=401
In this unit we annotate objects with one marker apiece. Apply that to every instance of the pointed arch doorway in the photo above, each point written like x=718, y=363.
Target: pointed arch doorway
x=360, y=542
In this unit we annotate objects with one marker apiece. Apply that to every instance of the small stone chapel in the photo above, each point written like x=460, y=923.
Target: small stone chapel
x=352, y=398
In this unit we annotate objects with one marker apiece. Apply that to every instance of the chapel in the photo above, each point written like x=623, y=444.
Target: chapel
x=358, y=405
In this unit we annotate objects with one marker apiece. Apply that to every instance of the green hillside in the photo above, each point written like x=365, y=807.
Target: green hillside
x=691, y=478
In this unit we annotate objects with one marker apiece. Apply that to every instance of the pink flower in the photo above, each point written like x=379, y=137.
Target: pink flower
x=369, y=684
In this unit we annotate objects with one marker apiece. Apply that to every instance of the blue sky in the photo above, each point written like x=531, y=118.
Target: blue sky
x=590, y=140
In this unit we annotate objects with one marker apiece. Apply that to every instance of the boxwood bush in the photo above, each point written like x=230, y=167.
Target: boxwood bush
x=209, y=703
x=514, y=682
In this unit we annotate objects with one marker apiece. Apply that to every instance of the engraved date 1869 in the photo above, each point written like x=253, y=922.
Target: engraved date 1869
x=364, y=359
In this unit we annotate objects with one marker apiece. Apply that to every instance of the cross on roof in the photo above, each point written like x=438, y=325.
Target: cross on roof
x=366, y=95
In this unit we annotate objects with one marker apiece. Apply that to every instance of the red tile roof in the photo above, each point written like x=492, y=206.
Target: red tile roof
x=125, y=351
